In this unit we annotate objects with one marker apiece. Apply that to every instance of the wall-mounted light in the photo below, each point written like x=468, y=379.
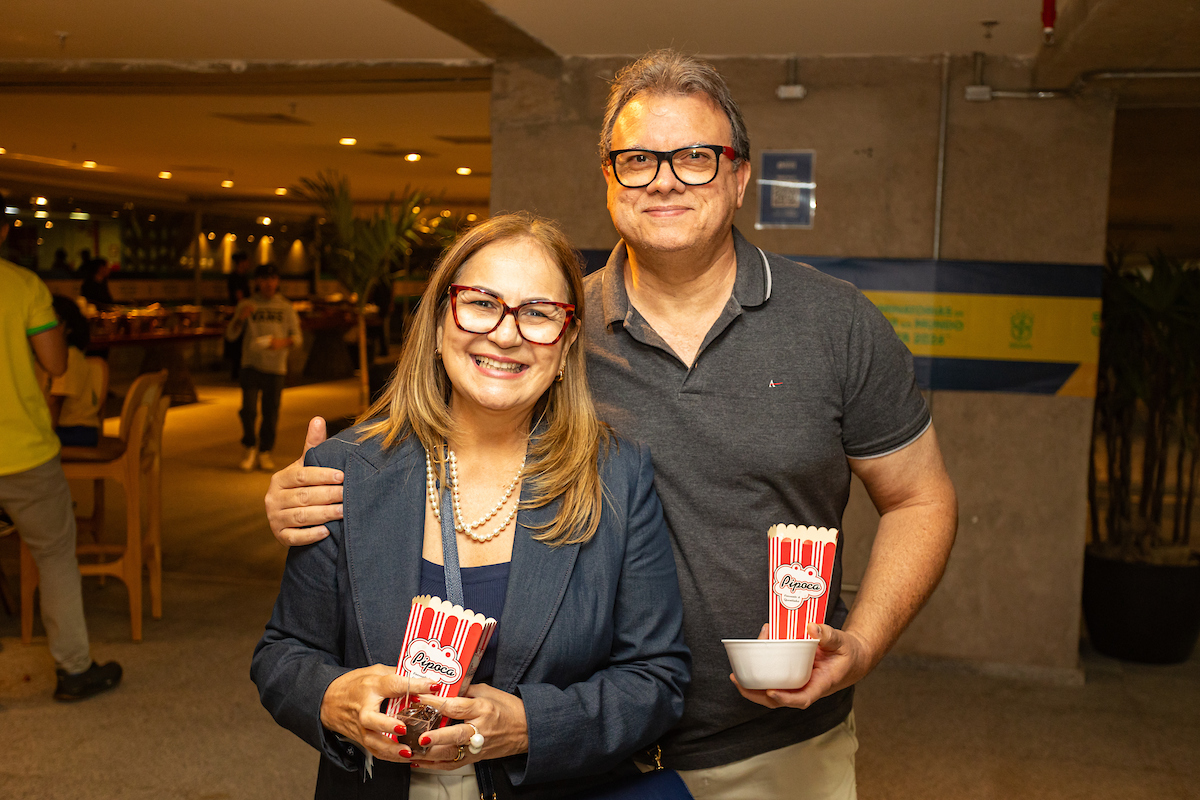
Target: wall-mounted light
x=89, y=165
x=226, y=184
x=281, y=191
x=348, y=141
x=166, y=176
x=413, y=157
x=463, y=170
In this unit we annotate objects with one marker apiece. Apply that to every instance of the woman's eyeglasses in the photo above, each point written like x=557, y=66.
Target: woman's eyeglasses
x=480, y=311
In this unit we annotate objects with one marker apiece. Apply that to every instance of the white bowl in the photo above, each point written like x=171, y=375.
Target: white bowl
x=771, y=663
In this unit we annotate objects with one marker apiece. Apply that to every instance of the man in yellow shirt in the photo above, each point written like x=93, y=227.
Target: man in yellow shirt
x=33, y=488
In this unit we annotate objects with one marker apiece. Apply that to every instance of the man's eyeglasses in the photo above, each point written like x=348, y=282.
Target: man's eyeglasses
x=695, y=165
x=480, y=311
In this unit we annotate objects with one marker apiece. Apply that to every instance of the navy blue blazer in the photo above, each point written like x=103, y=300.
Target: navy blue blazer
x=590, y=637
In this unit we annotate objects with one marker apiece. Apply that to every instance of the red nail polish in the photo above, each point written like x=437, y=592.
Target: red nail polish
x=405, y=752
x=400, y=729
x=424, y=741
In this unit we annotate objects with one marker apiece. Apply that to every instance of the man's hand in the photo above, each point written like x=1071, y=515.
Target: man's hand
x=247, y=311
x=302, y=499
x=842, y=659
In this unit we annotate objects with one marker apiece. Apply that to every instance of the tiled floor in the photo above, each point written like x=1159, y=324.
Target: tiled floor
x=186, y=722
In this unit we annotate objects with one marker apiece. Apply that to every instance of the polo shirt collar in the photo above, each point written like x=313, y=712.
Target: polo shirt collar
x=751, y=285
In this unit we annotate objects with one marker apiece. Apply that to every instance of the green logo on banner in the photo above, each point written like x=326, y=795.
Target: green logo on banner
x=1021, y=329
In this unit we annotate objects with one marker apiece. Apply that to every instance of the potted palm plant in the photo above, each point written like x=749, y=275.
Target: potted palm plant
x=362, y=251
x=1141, y=569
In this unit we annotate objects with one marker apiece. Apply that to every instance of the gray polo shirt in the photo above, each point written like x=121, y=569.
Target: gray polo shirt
x=799, y=372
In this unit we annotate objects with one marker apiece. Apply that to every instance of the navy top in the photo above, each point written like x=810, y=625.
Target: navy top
x=483, y=592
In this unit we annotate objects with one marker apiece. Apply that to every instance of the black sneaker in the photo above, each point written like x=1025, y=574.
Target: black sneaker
x=94, y=680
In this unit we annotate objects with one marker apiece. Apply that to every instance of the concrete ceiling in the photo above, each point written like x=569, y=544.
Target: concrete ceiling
x=260, y=91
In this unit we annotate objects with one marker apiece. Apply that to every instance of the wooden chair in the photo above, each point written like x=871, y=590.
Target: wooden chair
x=122, y=459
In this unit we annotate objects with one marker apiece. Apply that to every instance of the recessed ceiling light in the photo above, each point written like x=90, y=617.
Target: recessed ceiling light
x=264, y=220
x=40, y=201
x=226, y=184
x=281, y=191
x=166, y=176
x=463, y=170
x=89, y=165
x=413, y=157
x=2, y=151
x=349, y=141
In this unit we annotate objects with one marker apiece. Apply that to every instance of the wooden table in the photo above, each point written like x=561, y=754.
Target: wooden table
x=164, y=350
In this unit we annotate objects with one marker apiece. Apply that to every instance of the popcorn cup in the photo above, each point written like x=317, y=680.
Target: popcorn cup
x=443, y=642
x=801, y=569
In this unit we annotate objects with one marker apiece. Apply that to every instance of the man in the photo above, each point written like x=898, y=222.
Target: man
x=760, y=386
x=33, y=488
x=268, y=327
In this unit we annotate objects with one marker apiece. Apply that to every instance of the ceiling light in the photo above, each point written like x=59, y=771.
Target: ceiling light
x=166, y=176
x=12, y=210
x=471, y=217
x=212, y=235
x=281, y=191
x=413, y=157
x=463, y=170
x=2, y=151
x=264, y=220
x=250, y=238
x=17, y=223
x=115, y=214
x=231, y=237
x=226, y=184
x=49, y=224
x=349, y=141
x=41, y=214
x=445, y=212
x=416, y=209
x=151, y=218
x=89, y=165
x=80, y=215
x=40, y=201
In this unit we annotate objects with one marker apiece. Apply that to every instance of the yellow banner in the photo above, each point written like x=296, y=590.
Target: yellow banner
x=1000, y=327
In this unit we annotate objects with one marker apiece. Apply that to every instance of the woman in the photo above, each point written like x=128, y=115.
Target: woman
x=587, y=664
x=75, y=396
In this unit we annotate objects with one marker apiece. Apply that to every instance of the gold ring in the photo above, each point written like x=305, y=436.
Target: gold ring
x=461, y=751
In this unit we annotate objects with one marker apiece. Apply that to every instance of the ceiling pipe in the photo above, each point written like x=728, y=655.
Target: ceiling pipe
x=979, y=91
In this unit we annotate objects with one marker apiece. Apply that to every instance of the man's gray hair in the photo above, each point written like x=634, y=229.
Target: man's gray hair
x=670, y=72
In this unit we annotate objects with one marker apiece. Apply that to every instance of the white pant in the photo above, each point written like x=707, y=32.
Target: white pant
x=817, y=769
x=436, y=784
x=39, y=502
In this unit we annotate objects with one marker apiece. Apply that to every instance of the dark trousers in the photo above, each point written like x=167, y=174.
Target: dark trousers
x=271, y=386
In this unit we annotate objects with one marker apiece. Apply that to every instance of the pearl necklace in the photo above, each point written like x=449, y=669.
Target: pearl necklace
x=459, y=525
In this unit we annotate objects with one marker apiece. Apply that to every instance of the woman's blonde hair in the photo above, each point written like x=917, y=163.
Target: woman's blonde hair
x=567, y=437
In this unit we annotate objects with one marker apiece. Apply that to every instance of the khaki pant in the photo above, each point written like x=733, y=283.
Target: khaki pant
x=39, y=502
x=817, y=769
x=430, y=784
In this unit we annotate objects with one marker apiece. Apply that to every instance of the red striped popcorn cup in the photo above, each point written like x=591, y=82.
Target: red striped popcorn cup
x=801, y=569
x=444, y=643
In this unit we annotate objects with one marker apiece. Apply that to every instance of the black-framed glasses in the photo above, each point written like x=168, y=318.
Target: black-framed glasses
x=480, y=311
x=695, y=165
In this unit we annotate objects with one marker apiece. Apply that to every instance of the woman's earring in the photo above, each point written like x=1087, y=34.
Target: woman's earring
x=437, y=352
x=559, y=378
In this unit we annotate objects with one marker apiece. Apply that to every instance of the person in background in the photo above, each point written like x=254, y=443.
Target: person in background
x=61, y=264
x=75, y=396
x=268, y=327
x=95, y=283
x=761, y=385
x=33, y=488
x=238, y=284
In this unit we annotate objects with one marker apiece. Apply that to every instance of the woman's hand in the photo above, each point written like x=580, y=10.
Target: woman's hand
x=351, y=707
x=498, y=716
